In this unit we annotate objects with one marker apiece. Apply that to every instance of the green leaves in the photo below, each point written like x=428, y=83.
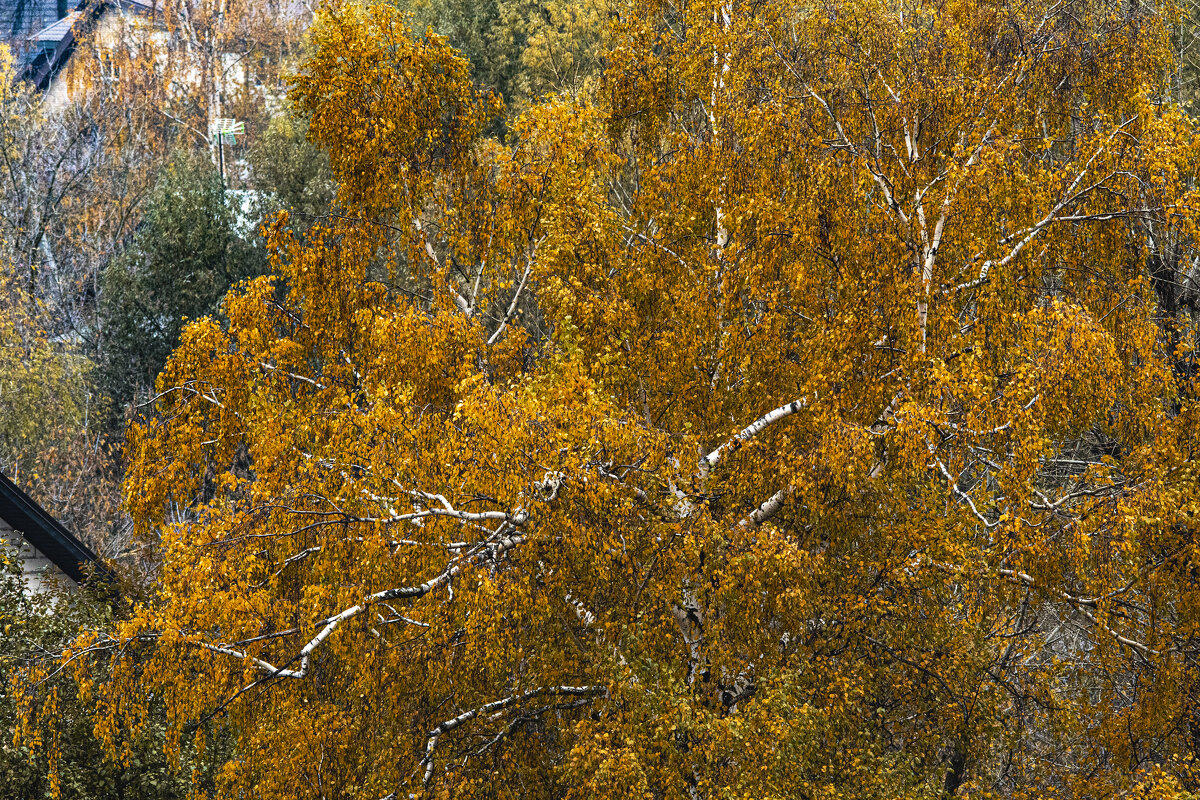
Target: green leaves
x=184, y=257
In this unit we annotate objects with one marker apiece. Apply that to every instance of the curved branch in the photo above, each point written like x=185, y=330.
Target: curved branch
x=491, y=548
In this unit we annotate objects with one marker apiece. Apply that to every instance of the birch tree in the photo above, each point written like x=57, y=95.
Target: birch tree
x=799, y=416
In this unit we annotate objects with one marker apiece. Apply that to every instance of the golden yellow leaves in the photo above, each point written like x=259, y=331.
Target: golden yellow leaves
x=490, y=399
x=393, y=110
x=1068, y=362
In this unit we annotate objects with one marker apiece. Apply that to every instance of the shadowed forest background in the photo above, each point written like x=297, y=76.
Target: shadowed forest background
x=583, y=399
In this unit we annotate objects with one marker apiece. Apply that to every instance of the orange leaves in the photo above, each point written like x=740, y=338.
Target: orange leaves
x=392, y=110
x=1070, y=365
x=447, y=464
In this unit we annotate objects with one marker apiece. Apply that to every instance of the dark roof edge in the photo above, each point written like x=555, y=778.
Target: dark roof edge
x=41, y=73
x=48, y=535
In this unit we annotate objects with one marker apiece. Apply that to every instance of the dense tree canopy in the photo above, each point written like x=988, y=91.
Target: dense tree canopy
x=43, y=390
x=290, y=172
x=811, y=412
x=50, y=440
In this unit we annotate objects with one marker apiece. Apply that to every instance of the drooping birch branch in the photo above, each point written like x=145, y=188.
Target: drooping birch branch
x=493, y=548
x=1029, y=234
x=459, y=300
x=1085, y=606
x=966, y=498
x=492, y=707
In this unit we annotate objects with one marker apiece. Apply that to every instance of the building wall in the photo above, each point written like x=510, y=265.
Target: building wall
x=40, y=572
x=114, y=27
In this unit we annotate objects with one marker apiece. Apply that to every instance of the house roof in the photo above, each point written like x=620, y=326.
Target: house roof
x=48, y=534
x=55, y=43
x=52, y=34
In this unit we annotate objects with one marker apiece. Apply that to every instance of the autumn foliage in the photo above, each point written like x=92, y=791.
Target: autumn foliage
x=811, y=412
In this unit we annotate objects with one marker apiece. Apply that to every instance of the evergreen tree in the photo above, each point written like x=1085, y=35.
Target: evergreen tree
x=290, y=172
x=183, y=258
